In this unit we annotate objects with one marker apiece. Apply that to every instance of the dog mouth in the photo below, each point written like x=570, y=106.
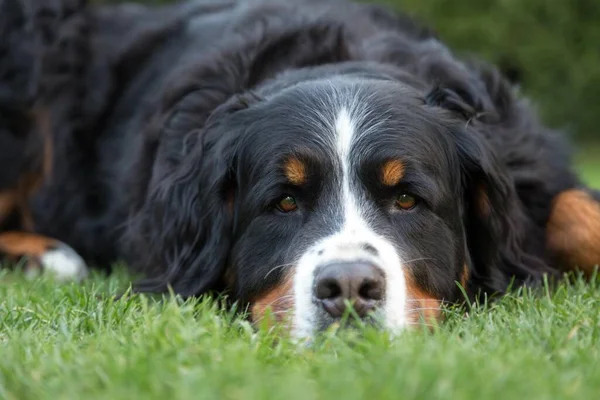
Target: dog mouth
x=280, y=313
x=350, y=319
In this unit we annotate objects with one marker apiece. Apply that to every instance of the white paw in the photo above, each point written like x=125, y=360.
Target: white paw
x=64, y=263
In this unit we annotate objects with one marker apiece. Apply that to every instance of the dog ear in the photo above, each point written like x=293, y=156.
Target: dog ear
x=493, y=215
x=494, y=219
x=447, y=98
x=179, y=234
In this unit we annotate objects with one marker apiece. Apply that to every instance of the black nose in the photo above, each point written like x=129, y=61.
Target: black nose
x=361, y=284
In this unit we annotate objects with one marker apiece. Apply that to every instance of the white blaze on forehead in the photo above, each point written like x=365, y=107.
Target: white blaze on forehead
x=344, y=127
x=348, y=243
x=344, y=130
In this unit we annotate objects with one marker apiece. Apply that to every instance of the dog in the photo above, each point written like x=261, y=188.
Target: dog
x=309, y=158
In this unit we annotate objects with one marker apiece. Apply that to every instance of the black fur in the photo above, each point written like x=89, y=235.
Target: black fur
x=157, y=161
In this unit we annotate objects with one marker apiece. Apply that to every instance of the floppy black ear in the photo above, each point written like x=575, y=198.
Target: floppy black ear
x=179, y=233
x=180, y=237
x=447, y=98
x=494, y=219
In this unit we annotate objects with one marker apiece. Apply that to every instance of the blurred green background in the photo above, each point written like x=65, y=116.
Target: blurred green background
x=550, y=48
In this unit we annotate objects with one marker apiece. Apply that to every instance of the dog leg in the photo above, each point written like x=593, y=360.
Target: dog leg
x=30, y=34
x=574, y=230
x=43, y=254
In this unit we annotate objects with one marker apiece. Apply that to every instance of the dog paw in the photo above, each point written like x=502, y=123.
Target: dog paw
x=59, y=262
x=63, y=263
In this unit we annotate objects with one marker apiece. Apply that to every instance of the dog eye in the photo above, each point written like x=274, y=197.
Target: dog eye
x=287, y=204
x=406, y=201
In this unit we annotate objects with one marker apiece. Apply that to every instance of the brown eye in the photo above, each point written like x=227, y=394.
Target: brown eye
x=287, y=204
x=406, y=201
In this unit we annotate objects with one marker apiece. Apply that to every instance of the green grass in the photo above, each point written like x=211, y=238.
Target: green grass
x=65, y=343
x=588, y=160
x=73, y=341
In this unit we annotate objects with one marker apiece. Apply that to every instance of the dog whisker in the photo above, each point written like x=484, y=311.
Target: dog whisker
x=424, y=309
x=278, y=267
x=279, y=299
x=421, y=259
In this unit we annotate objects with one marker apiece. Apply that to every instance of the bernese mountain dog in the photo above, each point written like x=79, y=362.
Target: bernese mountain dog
x=312, y=158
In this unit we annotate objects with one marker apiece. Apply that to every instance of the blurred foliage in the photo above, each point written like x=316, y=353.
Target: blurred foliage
x=551, y=48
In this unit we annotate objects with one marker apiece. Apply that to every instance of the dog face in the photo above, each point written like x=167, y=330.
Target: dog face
x=315, y=195
x=341, y=199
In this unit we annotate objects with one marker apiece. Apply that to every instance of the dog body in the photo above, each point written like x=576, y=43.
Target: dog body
x=298, y=154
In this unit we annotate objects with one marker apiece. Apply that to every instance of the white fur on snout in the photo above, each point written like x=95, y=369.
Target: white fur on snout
x=348, y=245
x=64, y=263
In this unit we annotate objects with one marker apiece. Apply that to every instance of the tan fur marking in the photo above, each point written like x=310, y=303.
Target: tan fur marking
x=295, y=171
x=392, y=172
x=29, y=182
x=28, y=185
x=44, y=127
x=574, y=230
x=421, y=306
x=18, y=244
x=464, y=278
x=279, y=300
x=8, y=202
x=484, y=207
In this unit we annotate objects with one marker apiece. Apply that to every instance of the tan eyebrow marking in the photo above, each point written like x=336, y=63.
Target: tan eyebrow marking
x=295, y=171
x=392, y=172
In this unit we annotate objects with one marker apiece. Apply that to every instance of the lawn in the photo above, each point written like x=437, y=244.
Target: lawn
x=588, y=160
x=73, y=342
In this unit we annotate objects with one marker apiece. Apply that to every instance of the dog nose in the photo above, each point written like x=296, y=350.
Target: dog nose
x=361, y=284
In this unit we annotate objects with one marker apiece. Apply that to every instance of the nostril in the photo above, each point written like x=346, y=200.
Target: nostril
x=371, y=290
x=328, y=289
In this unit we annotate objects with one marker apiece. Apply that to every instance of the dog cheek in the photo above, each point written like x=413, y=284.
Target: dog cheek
x=421, y=307
x=275, y=306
